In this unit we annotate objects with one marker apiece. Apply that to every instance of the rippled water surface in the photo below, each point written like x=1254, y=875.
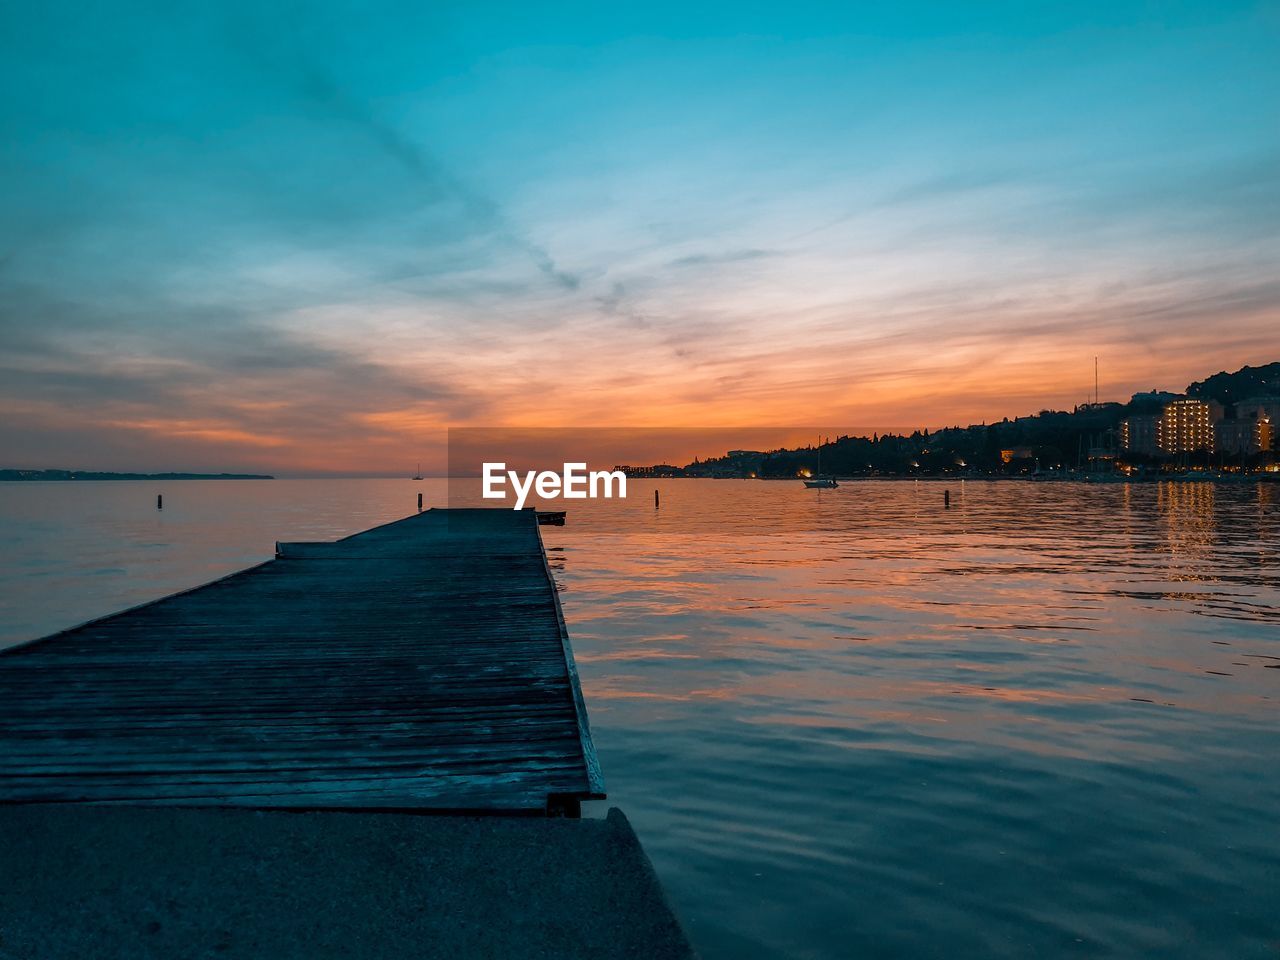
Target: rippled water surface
x=849, y=723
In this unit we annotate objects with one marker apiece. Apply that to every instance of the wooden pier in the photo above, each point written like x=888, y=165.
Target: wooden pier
x=241, y=770
x=421, y=665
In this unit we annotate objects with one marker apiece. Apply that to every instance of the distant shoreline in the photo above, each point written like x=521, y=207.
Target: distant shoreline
x=1095, y=479
x=69, y=475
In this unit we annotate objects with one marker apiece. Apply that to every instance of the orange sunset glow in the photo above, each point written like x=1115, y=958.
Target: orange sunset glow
x=887, y=386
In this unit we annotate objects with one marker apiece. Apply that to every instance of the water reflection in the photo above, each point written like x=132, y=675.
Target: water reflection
x=1187, y=512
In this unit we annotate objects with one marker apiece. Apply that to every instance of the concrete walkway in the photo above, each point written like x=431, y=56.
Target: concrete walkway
x=167, y=883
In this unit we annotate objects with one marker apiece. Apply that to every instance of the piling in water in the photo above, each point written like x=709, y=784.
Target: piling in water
x=946, y=499
x=159, y=501
x=656, y=502
x=419, y=502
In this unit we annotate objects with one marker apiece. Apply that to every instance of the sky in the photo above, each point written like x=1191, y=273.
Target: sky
x=311, y=238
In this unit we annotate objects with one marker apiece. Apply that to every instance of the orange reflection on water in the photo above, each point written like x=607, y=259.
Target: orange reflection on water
x=1056, y=619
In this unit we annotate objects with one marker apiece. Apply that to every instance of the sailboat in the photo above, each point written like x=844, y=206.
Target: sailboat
x=417, y=474
x=818, y=480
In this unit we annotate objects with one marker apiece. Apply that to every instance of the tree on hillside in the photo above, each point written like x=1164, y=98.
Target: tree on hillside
x=1229, y=388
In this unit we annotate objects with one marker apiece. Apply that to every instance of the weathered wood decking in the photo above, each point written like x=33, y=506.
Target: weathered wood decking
x=422, y=665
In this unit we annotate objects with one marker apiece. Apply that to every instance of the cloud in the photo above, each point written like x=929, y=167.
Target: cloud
x=724, y=257
x=318, y=86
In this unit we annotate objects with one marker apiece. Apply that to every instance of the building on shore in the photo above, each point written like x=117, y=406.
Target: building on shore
x=1258, y=408
x=1186, y=425
x=1138, y=435
x=1243, y=435
x=1191, y=425
x=1010, y=454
